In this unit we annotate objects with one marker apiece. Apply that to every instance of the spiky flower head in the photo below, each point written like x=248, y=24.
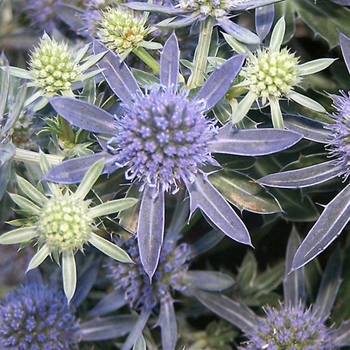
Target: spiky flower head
x=294, y=328
x=53, y=67
x=338, y=140
x=163, y=137
x=271, y=74
x=62, y=223
x=37, y=317
x=135, y=282
x=120, y=30
x=215, y=8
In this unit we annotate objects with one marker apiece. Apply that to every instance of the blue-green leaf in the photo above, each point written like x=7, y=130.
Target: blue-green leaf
x=211, y=281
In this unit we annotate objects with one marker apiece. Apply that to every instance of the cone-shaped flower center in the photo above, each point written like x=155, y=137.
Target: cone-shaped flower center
x=121, y=30
x=339, y=142
x=290, y=328
x=271, y=73
x=215, y=8
x=52, y=66
x=65, y=223
x=36, y=317
x=135, y=283
x=163, y=138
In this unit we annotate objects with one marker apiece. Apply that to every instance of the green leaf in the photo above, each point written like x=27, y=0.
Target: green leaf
x=277, y=35
x=26, y=204
x=4, y=88
x=89, y=179
x=247, y=271
x=69, y=273
x=210, y=281
x=315, y=66
x=31, y=192
x=19, y=235
x=111, y=207
x=276, y=114
x=306, y=101
x=109, y=248
x=39, y=257
x=242, y=108
x=243, y=192
x=20, y=73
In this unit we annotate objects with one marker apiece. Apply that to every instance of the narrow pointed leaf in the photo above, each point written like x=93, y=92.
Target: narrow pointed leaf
x=167, y=322
x=109, y=248
x=73, y=170
x=315, y=66
x=276, y=114
x=211, y=281
x=137, y=329
x=30, y=191
x=117, y=74
x=139, y=6
x=4, y=88
x=328, y=290
x=341, y=335
x=71, y=15
x=181, y=22
x=39, y=257
x=233, y=312
x=19, y=235
x=112, y=207
x=204, y=196
x=294, y=282
x=89, y=179
x=69, y=274
x=150, y=228
x=169, y=62
x=140, y=343
x=303, y=177
x=327, y=228
x=26, y=204
x=111, y=302
x=238, y=32
x=311, y=129
x=84, y=115
x=306, y=101
x=242, y=108
x=252, y=4
x=252, y=142
x=277, y=35
x=216, y=86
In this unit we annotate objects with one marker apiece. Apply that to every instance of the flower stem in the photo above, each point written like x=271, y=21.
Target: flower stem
x=141, y=53
x=25, y=156
x=201, y=53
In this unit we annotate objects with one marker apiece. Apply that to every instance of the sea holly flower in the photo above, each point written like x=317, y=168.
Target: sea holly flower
x=271, y=74
x=133, y=288
x=335, y=138
x=163, y=140
x=218, y=12
x=54, y=68
x=62, y=223
x=37, y=317
x=292, y=324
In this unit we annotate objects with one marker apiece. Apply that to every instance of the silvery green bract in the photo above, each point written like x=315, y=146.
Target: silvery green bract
x=163, y=140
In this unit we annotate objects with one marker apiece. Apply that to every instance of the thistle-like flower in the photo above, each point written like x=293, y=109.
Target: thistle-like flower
x=54, y=68
x=63, y=223
x=292, y=324
x=216, y=11
x=335, y=137
x=37, y=317
x=271, y=74
x=163, y=140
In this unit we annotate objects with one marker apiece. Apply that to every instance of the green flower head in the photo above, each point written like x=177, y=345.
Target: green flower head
x=271, y=74
x=62, y=222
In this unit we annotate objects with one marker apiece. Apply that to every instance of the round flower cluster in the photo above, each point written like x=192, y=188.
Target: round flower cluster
x=215, y=8
x=65, y=223
x=339, y=142
x=290, y=328
x=120, y=30
x=37, y=317
x=163, y=137
x=135, y=283
x=271, y=73
x=52, y=66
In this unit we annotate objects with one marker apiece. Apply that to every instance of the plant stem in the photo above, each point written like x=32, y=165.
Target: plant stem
x=25, y=156
x=201, y=53
x=145, y=57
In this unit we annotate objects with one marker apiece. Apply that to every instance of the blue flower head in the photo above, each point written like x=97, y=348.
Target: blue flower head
x=162, y=140
x=36, y=317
